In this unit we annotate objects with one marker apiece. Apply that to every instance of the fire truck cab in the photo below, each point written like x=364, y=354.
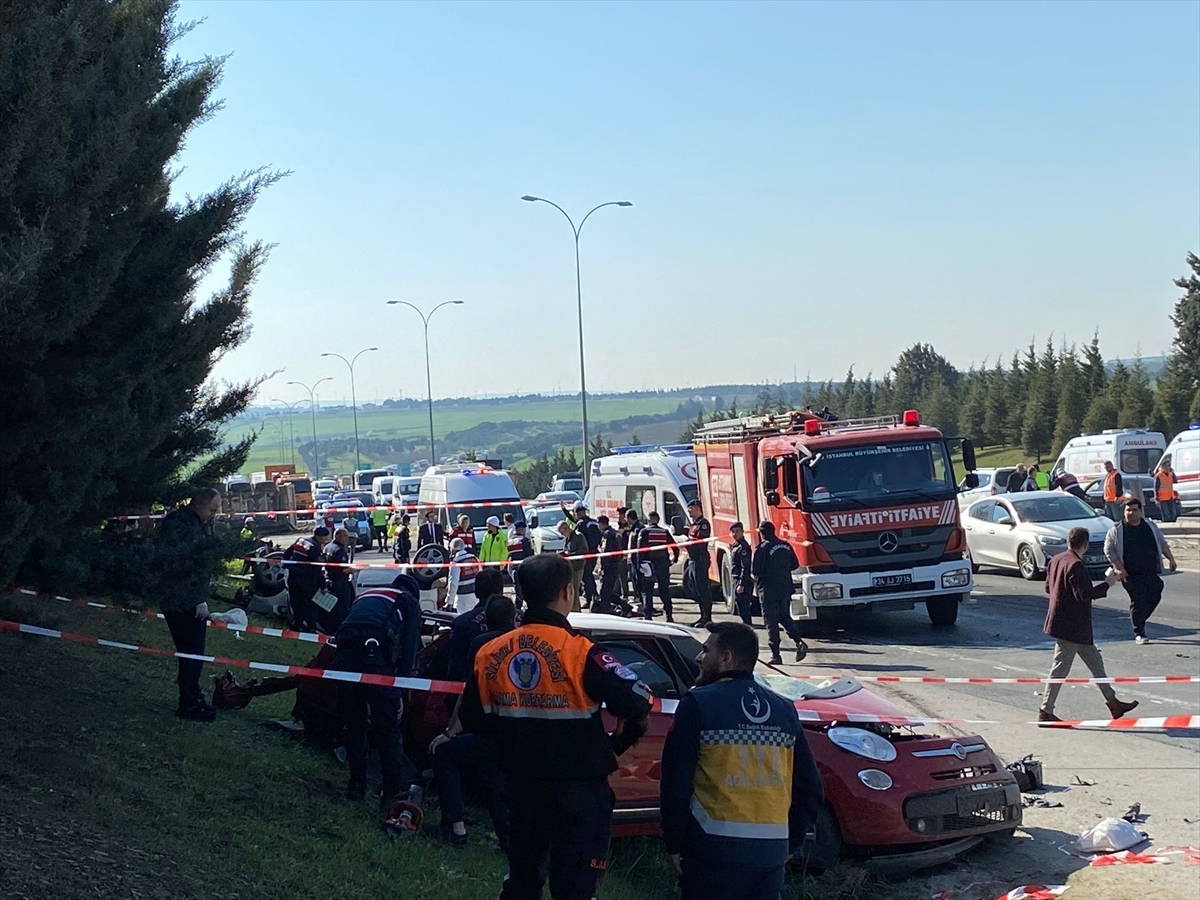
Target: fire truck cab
x=869, y=506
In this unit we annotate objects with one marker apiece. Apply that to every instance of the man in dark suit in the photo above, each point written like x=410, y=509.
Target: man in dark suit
x=431, y=532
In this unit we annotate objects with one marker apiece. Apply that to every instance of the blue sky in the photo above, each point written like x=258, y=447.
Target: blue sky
x=814, y=185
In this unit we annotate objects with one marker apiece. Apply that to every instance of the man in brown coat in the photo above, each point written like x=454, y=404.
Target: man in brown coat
x=1069, y=622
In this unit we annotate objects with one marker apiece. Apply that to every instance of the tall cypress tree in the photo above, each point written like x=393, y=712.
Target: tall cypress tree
x=1072, y=405
x=995, y=413
x=107, y=349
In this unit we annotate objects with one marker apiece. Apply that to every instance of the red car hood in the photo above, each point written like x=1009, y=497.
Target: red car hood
x=860, y=702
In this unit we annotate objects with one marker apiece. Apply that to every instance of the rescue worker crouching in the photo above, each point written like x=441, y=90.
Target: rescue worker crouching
x=739, y=786
x=302, y=563
x=537, y=692
x=380, y=636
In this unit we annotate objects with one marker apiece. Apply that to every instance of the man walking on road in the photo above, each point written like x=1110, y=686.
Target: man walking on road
x=739, y=787
x=1069, y=622
x=695, y=573
x=1114, y=490
x=1136, y=548
x=772, y=567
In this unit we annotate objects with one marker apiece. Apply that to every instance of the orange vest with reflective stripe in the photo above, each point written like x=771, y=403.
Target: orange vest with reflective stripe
x=535, y=672
x=1110, y=487
x=1164, y=485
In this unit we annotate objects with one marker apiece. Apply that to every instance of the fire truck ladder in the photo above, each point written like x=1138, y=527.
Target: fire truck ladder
x=732, y=431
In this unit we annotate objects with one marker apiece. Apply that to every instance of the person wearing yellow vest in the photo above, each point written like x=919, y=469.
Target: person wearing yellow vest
x=1165, y=493
x=1114, y=492
x=537, y=692
x=494, y=546
x=739, y=786
x=379, y=521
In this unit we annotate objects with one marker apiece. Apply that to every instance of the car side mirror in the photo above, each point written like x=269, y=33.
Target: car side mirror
x=1005, y=520
x=971, y=481
x=770, y=474
x=772, y=498
x=533, y=521
x=677, y=525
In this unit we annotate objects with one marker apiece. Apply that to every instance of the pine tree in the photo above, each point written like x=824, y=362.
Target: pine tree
x=1041, y=408
x=1177, y=393
x=995, y=413
x=1105, y=409
x=1019, y=377
x=1186, y=319
x=974, y=407
x=1137, y=401
x=939, y=408
x=866, y=396
x=108, y=350
x=1072, y=405
x=846, y=400
x=1095, y=377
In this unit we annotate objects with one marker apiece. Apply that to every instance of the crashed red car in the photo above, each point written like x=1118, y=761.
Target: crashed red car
x=900, y=799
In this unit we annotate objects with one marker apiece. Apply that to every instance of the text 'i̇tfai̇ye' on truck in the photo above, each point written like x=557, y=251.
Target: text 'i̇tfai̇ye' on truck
x=869, y=506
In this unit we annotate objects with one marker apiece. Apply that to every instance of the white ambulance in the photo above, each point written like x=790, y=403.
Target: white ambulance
x=1133, y=451
x=646, y=479
x=1184, y=451
x=451, y=491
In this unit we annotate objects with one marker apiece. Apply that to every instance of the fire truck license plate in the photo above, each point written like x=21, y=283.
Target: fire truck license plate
x=891, y=580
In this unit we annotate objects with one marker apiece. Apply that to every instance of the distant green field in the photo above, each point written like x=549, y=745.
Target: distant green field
x=414, y=423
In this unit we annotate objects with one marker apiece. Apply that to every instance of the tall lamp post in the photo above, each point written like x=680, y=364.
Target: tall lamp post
x=312, y=406
x=277, y=419
x=291, y=431
x=579, y=303
x=353, y=399
x=425, y=317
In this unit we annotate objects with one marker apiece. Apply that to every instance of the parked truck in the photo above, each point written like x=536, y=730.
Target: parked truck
x=869, y=506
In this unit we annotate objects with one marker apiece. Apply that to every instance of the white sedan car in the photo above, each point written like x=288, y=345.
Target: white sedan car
x=542, y=521
x=1022, y=531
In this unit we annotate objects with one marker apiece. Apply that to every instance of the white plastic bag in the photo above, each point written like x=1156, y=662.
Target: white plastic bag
x=232, y=617
x=1108, y=836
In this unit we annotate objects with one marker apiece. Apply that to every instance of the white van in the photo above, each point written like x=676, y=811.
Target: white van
x=406, y=492
x=382, y=488
x=646, y=479
x=364, y=478
x=1132, y=451
x=442, y=487
x=1184, y=451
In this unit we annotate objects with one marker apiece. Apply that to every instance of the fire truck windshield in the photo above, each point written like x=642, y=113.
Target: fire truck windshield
x=879, y=473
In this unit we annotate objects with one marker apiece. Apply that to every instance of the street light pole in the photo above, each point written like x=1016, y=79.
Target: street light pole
x=579, y=305
x=291, y=430
x=278, y=420
x=353, y=399
x=312, y=406
x=425, y=317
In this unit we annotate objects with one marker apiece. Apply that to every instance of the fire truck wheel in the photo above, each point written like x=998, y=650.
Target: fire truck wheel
x=943, y=611
x=726, y=586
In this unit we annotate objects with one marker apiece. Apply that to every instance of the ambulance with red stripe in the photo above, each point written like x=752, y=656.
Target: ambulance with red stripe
x=869, y=506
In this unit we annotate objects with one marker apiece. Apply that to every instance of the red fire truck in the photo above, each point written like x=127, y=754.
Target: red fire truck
x=869, y=505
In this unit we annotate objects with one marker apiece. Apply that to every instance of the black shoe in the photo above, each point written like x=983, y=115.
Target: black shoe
x=775, y=660
x=356, y=791
x=454, y=840
x=199, y=712
x=801, y=650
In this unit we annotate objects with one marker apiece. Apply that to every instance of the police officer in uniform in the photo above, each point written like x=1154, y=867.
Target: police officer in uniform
x=771, y=568
x=380, y=636
x=695, y=575
x=305, y=577
x=537, y=692
x=739, y=787
x=739, y=565
x=653, y=542
x=610, y=570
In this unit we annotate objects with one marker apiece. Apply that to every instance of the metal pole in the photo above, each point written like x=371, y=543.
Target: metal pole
x=579, y=302
x=429, y=394
x=425, y=317
x=312, y=407
x=291, y=427
x=353, y=399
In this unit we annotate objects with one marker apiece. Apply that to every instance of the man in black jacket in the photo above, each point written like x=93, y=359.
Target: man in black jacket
x=695, y=573
x=772, y=567
x=305, y=577
x=184, y=571
x=431, y=532
x=743, y=581
x=537, y=691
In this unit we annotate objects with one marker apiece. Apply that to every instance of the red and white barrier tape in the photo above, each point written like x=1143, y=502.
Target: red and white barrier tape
x=311, y=637
x=477, y=564
x=332, y=510
x=1163, y=723
x=317, y=638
